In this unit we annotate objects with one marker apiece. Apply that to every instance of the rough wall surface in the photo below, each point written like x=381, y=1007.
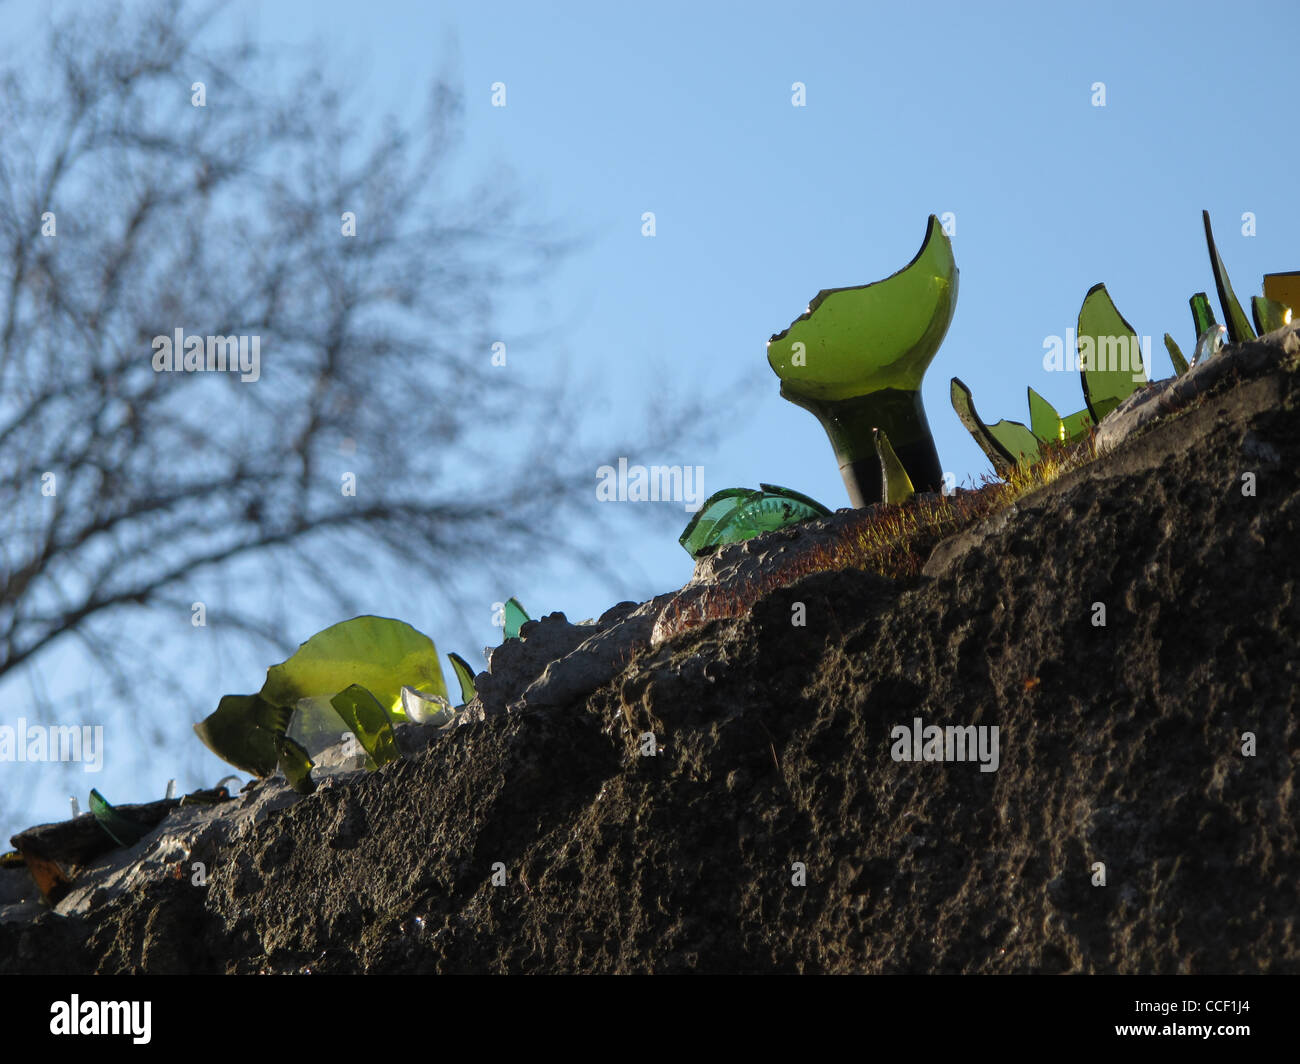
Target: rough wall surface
x=1119, y=745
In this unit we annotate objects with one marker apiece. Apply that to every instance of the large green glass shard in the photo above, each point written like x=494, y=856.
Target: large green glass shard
x=369, y=722
x=121, y=827
x=856, y=358
x=1283, y=288
x=516, y=618
x=245, y=731
x=378, y=653
x=736, y=514
x=1269, y=314
x=465, y=676
x=1007, y=444
x=898, y=486
x=1239, y=330
x=1175, y=355
x=1110, y=358
x=381, y=654
x=1044, y=420
x=1202, y=313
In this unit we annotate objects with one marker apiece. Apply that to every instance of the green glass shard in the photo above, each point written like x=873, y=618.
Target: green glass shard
x=1077, y=424
x=465, y=675
x=245, y=730
x=1175, y=355
x=1007, y=444
x=381, y=654
x=1202, y=313
x=121, y=827
x=516, y=618
x=369, y=722
x=797, y=496
x=736, y=514
x=1239, y=330
x=296, y=764
x=962, y=402
x=765, y=511
x=856, y=357
x=1017, y=440
x=1268, y=314
x=717, y=508
x=897, y=486
x=1044, y=420
x=1110, y=359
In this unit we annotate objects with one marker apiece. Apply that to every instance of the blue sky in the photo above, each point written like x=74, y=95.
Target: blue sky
x=984, y=110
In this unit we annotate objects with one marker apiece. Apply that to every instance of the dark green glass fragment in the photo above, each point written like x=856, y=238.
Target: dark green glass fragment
x=1110, y=359
x=897, y=485
x=516, y=618
x=856, y=358
x=122, y=828
x=1239, y=330
x=465, y=675
x=1007, y=444
x=369, y=722
x=1202, y=314
x=296, y=764
x=736, y=514
x=245, y=730
x=1268, y=314
x=1175, y=355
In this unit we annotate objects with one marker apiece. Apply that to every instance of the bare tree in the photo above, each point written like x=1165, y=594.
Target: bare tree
x=150, y=183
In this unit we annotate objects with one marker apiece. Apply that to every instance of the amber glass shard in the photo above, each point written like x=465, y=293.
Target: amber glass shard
x=1283, y=288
